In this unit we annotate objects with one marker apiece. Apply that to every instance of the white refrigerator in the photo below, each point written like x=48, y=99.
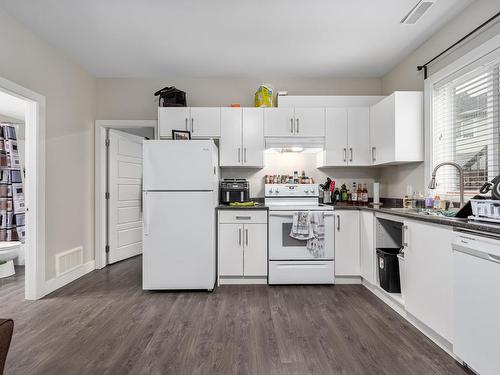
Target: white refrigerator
x=180, y=194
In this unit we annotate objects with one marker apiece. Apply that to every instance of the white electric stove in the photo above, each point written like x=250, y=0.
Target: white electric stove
x=290, y=262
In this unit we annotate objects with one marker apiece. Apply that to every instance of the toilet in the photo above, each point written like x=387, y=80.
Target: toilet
x=8, y=252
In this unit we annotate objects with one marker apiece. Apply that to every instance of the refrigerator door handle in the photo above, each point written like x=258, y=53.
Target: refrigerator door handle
x=145, y=213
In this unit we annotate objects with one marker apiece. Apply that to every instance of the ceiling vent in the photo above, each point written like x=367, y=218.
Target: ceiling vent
x=417, y=12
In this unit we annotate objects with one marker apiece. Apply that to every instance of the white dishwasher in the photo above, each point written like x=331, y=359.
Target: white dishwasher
x=477, y=301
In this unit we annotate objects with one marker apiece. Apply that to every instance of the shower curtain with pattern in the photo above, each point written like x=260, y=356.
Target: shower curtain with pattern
x=11, y=187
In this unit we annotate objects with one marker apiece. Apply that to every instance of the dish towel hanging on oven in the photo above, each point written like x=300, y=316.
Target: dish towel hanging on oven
x=316, y=244
x=301, y=226
x=11, y=187
x=310, y=227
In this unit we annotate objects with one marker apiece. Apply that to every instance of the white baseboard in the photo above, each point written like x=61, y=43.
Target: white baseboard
x=242, y=280
x=347, y=279
x=58, y=282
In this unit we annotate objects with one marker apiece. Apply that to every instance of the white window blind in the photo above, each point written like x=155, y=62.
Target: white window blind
x=466, y=127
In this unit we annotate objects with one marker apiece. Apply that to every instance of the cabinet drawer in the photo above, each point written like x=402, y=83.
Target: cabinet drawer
x=243, y=216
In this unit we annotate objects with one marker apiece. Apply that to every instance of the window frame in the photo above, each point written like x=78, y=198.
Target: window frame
x=485, y=53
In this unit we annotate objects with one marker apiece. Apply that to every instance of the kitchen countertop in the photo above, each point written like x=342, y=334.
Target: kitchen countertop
x=389, y=210
x=259, y=206
x=442, y=220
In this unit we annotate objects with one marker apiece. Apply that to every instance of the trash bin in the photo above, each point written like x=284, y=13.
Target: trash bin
x=388, y=269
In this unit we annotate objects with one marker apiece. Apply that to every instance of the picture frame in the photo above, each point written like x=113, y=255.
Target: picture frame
x=182, y=135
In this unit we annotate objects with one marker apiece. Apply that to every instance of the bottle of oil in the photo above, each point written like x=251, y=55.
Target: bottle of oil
x=343, y=193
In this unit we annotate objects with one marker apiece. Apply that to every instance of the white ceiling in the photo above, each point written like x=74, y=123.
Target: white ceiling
x=12, y=106
x=209, y=38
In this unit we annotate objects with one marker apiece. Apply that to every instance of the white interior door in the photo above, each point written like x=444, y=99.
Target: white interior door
x=125, y=195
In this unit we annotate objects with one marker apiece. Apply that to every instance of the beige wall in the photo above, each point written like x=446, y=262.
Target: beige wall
x=70, y=101
x=132, y=98
x=405, y=77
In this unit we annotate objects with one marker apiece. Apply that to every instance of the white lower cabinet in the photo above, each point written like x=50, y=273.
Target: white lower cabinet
x=242, y=244
x=230, y=249
x=347, y=255
x=367, y=245
x=429, y=275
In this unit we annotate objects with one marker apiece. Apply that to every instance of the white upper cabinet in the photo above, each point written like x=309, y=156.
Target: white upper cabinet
x=202, y=122
x=396, y=129
x=253, y=137
x=172, y=118
x=242, y=137
x=231, y=130
x=335, y=153
x=347, y=140
x=279, y=122
x=310, y=122
x=294, y=122
x=205, y=122
x=358, y=136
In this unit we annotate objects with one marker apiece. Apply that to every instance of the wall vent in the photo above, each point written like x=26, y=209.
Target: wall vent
x=69, y=260
x=417, y=12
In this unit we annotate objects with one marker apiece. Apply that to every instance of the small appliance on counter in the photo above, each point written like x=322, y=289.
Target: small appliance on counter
x=234, y=190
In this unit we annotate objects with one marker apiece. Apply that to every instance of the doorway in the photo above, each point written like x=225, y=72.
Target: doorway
x=118, y=188
x=23, y=115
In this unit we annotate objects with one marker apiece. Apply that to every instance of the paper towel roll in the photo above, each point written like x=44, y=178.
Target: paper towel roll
x=376, y=192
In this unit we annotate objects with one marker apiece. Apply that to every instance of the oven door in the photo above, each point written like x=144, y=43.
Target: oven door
x=284, y=247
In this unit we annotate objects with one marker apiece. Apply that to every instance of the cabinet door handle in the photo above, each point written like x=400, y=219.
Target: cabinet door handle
x=243, y=217
x=192, y=125
x=297, y=125
x=245, y=154
x=291, y=125
x=239, y=155
x=345, y=154
x=239, y=236
x=338, y=223
x=373, y=154
x=187, y=128
x=246, y=236
x=350, y=150
x=404, y=235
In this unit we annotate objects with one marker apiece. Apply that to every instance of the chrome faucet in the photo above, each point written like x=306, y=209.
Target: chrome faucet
x=432, y=183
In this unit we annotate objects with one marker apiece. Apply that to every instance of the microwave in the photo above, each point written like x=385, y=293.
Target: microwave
x=234, y=190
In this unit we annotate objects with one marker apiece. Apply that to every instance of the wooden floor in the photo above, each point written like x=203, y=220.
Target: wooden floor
x=105, y=324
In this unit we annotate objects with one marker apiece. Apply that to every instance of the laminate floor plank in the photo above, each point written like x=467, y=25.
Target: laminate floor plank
x=104, y=323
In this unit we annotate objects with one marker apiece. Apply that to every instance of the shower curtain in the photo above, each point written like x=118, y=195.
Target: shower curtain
x=11, y=186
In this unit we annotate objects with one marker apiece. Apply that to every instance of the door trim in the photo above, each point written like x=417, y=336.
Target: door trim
x=35, y=283
x=100, y=179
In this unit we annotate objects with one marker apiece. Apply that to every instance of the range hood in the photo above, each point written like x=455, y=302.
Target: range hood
x=295, y=144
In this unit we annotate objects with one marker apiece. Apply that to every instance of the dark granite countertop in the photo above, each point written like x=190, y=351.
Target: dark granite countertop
x=259, y=206
x=442, y=220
